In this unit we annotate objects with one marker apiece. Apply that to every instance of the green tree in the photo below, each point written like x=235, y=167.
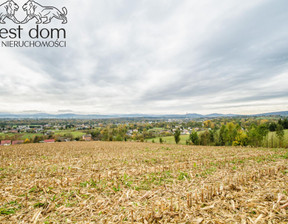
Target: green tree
x=256, y=134
x=223, y=135
x=194, y=138
x=67, y=135
x=231, y=133
x=177, y=136
x=272, y=126
x=205, y=138
x=104, y=134
x=118, y=138
x=96, y=135
x=38, y=139
x=212, y=136
x=284, y=123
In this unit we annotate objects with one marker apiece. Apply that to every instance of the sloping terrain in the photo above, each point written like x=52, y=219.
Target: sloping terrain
x=111, y=182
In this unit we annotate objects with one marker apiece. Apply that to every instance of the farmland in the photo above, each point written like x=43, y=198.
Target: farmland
x=170, y=139
x=124, y=182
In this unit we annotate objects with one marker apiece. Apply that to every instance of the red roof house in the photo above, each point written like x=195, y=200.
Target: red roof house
x=17, y=142
x=49, y=141
x=6, y=142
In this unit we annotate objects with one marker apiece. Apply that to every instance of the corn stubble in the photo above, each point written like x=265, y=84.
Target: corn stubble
x=110, y=182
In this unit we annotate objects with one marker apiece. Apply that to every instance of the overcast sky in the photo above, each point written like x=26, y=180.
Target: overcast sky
x=154, y=56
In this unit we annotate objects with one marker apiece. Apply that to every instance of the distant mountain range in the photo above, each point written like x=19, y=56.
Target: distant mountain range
x=98, y=116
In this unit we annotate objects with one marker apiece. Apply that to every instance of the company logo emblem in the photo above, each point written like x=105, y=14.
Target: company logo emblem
x=27, y=36
x=35, y=10
x=7, y=10
x=43, y=14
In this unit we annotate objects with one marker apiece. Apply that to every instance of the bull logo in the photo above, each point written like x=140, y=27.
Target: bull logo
x=35, y=10
x=7, y=10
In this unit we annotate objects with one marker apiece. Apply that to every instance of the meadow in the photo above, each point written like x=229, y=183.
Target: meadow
x=125, y=182
x=62, y=133
x=170, y=139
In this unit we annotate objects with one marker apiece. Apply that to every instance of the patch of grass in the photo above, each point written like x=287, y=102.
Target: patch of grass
x=151, y=161
x=183, y=176
x=10, y=208
x=39, y=205
x=54, y=197
x=7, y=211
x=84, y=184
x=154, y=179
x=33, y=189
x=143, y=186
x=69, y=205
x=208, y=171
x=126, y=180
x=99, y=185
x=116, y=188
x=285, y=156
x=12, y=203
x=203, y=205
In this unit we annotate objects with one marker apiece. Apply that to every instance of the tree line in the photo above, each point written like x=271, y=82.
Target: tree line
x=232, y=134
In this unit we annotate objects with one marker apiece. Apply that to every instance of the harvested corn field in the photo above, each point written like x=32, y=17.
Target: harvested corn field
x=103, y=182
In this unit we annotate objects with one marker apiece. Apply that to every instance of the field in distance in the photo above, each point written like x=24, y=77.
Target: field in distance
x=124, y=182
x=170, y=139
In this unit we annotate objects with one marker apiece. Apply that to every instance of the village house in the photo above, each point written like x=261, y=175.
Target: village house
x=87, y=137
x=6, y=142
x=47, y=126
x=129, y=133
x=17, y=142
x=185, y=132
x=49, y=140
x=63, y=139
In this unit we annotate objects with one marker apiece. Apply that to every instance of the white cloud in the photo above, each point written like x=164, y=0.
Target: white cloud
x=166, y=56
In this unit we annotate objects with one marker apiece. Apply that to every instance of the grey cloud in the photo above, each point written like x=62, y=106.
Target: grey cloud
x=159, y=56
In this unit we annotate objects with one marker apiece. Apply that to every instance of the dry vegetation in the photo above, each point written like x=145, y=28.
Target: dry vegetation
x=102, y=182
